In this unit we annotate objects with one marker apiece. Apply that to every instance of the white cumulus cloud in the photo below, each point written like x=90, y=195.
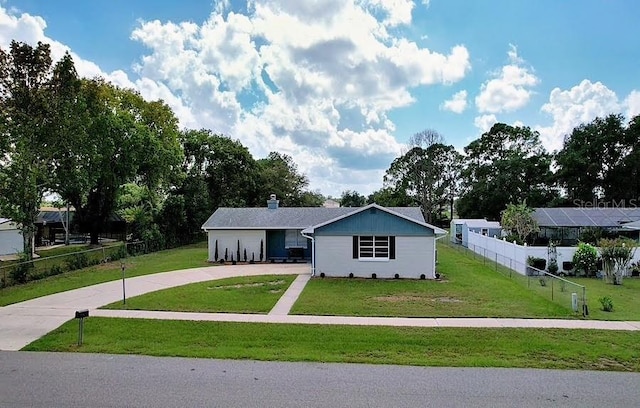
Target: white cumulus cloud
x=510, y=89
x=322, y=94
x=484, y=122
x=633, y=104
x=315, y=80
x=457, y=103
x=570, y=108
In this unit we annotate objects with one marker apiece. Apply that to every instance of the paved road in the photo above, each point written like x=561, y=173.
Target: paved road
x=92, y=380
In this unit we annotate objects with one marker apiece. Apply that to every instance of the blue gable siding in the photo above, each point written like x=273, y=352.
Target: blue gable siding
x=374, y=222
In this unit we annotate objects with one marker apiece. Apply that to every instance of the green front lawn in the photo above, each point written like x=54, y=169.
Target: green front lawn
x=626, y=298
x=468, y=289
x=190, y=256
x=251, y=294
x=460, y=347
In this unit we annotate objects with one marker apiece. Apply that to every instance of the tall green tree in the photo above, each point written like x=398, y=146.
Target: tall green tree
x=188, y=203
x=390, y=197
x=507, y=164
x=427, y=173
x=231, y=173
x=25, y=134
x=312, y=199
x=279, y=175
x=591, y=161
x=351, y=198
x=124, y=139
x=621, y=176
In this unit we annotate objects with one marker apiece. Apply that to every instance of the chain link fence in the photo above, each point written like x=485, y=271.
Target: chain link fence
x=552, y=287
x=18, y=271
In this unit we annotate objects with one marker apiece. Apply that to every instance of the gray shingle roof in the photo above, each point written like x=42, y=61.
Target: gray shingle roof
x=287, y=217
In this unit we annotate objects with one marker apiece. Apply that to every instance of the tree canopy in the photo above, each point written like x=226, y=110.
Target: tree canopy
x=505, y=165
x=600, y=160
x=26, y=127
x=427, y=173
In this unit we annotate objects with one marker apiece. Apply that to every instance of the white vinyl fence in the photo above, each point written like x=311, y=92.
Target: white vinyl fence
x=515, y=256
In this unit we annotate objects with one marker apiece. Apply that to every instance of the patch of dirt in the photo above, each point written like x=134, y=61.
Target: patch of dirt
x=604, y=363
x=248, y=285
x=446, y=299
x=397, y=299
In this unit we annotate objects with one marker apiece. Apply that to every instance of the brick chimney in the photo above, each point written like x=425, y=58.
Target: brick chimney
x=272, y=203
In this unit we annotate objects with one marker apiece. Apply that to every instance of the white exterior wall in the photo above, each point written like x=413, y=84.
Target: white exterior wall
x=249, y=239
x=10, y=241
x=415, y=256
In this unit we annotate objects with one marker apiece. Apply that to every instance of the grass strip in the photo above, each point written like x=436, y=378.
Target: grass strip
x=190, y=256
x=456, y=347
x=250, y=294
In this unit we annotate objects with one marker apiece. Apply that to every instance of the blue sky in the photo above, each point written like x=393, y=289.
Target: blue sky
x=341, y=85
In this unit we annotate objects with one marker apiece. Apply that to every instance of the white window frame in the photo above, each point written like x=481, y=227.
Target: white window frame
x=376, y=244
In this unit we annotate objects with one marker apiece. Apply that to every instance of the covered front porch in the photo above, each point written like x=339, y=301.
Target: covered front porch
x=287, y=246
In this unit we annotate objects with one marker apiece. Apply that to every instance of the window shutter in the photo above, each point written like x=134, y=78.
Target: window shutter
x=392, y=247
x=355, y=247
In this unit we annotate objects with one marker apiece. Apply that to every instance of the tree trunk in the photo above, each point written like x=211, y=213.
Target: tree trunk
x=95, y=235
x=27, y=243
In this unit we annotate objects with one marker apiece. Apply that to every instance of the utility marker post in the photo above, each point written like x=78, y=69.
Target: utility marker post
x=124, y=293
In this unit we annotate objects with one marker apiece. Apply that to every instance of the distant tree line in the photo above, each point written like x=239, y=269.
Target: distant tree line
x=104, y=149
x=598, y=165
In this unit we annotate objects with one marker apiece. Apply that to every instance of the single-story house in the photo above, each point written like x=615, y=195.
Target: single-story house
x=459, y=229
x=566, y=224
x=339, y=241
x=10, y=238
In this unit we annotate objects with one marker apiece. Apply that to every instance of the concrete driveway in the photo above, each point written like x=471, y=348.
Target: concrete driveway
x=25, y=322
x=22, y=323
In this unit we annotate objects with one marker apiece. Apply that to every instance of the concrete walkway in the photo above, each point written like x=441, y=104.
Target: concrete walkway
x=376, y=321
x=288, y=298
x=24, y=322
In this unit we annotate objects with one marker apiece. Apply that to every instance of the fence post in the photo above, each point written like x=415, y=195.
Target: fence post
x=552, y=288
x=496, y=262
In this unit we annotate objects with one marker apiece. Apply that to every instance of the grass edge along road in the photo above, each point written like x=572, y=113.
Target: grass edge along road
x=455, y=347
x=190, y=256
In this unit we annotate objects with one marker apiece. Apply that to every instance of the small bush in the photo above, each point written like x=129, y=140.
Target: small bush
x=585, y=259
x=78, y=261
x=20, y=272
x=120, y=253
x=553, y=267
x=607, y=303
x=55, y=270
